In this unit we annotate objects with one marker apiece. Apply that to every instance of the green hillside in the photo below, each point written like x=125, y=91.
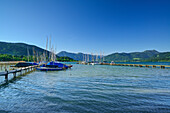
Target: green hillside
x=18, y=48
x=161, y=57
x=134, y=56
x=18, y=52
x=145, y=56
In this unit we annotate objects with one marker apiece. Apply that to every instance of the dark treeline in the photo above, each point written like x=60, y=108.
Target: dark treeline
x=6, y=57
x=65, y=59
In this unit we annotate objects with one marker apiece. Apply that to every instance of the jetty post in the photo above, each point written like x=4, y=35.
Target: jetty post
x=14, y=72
x=153, y=66
x=6, y=75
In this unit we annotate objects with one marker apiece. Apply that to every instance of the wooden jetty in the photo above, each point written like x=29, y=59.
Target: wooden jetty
x=10, y=62
x=15, y=71
x=139, y=65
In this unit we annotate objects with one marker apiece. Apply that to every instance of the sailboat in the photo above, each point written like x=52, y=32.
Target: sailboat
x=95, y=60
x=52, y=65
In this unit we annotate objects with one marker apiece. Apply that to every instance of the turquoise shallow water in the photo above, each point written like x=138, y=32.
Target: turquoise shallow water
x=86, y=88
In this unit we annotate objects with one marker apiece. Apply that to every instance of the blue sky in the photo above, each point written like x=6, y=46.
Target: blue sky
x=90, y=26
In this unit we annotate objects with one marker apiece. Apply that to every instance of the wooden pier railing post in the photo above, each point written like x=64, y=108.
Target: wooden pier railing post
x=162, y=67
x=6, y=75
x=21, y=71
x=14, y=74
x=153, y=66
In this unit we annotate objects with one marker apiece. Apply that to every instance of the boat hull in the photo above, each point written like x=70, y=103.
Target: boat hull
x=48, y=69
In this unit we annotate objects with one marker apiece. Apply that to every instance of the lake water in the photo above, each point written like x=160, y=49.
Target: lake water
x=86, y=88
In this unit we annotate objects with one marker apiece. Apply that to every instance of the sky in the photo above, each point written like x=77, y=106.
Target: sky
x=88, y=26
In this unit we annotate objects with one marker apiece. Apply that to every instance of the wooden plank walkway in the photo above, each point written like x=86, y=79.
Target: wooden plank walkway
x=14, y=71
x=139, y=65
x=10, y=62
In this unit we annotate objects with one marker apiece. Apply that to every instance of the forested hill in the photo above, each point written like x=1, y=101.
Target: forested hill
x=18, y=48
x=145, y=56
x=123, y=57
x=77, y=56
x=148, y=55
x=161, y=57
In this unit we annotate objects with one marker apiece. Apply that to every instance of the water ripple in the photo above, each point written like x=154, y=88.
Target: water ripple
x=91, y=89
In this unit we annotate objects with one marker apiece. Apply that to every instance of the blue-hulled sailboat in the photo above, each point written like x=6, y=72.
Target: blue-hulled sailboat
x=53, y=66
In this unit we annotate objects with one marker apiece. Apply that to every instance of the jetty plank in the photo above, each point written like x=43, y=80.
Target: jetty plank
x=14, y=71
x=3, y=73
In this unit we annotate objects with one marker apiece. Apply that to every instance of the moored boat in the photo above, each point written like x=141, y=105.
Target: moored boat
x=24, y=64
x=112, y=62
x=53, y=66
x=48, y=69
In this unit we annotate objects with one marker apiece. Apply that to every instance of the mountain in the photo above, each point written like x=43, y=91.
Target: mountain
x=148, y=55
x=134, y=56
x=19, y=48
x=145, y=56
x=77, y=56
x=161, y=57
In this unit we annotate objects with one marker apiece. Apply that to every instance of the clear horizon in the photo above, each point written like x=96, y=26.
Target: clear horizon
x=88, y=26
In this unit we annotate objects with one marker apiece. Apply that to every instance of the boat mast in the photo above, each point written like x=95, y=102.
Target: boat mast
x=40, y=54
x=92, y=57
x=28, y=53
x=55, y=54
x=50, y=49
x=33, y=54
x=46, y=49
x=100, y=56
x=52, y=53
x=96, y=58
x=44, y=56
x=37, y=58
x=103, y=56
x=85, y=57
